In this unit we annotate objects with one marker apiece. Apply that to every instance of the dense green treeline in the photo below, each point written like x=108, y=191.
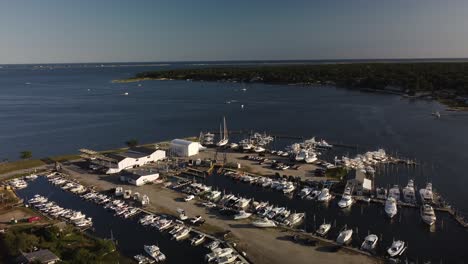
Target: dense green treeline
x=451, y=78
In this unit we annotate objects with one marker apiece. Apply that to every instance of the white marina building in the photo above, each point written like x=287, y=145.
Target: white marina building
x=139, y=177
x=132, y=158
x=184, y=148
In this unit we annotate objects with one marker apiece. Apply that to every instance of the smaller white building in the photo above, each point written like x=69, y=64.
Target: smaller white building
x=139, y=177
x=184, y=148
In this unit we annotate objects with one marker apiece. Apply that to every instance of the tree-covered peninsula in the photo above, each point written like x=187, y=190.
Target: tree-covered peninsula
x=446, y=81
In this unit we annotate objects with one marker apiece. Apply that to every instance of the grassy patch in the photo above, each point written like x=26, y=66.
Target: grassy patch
x=336, y=173
x=20, y=165
x=7, y=197
x=64, y=158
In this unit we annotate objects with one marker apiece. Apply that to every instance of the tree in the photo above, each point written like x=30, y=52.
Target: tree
x=26, y=242
x=132, y=143
x=104, y=246
x=83, y=256
x=27, y=154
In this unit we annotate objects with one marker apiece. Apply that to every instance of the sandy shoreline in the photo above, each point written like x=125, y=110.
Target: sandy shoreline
x=261, y=246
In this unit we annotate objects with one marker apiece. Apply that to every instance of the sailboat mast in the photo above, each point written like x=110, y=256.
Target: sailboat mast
x=225, y=134
x=220, y=133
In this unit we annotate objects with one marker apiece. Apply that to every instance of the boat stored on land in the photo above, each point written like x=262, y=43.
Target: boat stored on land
x=265, y=222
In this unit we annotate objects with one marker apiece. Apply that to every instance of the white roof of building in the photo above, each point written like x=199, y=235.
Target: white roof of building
x=367, y=184
x=182, y=142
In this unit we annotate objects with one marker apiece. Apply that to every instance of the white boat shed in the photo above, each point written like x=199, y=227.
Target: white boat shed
x=139, y=177
x=184, y=148
x=132, y=158
x=361, y=184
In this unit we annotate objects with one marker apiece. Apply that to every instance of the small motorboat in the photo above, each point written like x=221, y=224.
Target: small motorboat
x=189, y=198
x=344, y=237
x=214, y=244
x=397, y=248
x=369, y=242
x=323, y=229
x=198, y=239
x=263, y=223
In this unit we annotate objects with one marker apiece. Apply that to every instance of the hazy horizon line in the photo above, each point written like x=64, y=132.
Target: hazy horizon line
x=247, y=61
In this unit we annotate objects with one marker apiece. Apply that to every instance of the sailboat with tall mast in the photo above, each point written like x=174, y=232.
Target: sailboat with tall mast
x=223, y=135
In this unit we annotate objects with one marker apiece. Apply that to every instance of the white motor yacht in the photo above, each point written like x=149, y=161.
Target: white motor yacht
x=391, y=207
x=265, y=222
x=369, y=242
x=428, y=215
x=304, y=192
x=198, y=240
x=288, y=188
x=324, y=196
x=217, y=253
x=294, y=219
x=397, y=248
x=408, y=192
x=242, y=215
x=140, y=259
x=226, y=259
x=394, y=192
x=310, y=158
x=346, y=199
x=176, y=229
x=426, y=194
x=344, y=237
x=182, y=234
x=154, y=252
x=163, y=224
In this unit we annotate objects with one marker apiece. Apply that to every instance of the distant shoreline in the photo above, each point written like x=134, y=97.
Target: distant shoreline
x=442, y=81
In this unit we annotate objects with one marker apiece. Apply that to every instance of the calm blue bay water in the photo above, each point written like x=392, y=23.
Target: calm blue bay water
x=57, y=111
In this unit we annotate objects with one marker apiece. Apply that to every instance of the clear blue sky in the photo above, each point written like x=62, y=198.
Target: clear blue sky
x=41, y=31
